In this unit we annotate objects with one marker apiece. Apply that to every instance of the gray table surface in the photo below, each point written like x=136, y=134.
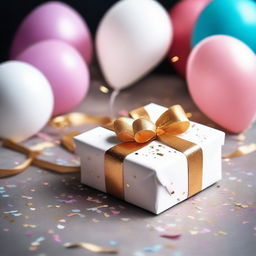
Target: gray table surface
x=41, y=210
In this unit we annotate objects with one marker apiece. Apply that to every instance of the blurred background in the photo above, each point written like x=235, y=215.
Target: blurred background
x=14, y=11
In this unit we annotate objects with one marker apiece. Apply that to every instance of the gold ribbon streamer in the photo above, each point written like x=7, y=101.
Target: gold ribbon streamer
x=136, y=133
x=33, y=160
x=76, y=119
x=59, y=122
x=242, y=150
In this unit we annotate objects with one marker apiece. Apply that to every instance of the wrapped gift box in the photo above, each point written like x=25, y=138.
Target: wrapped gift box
x=155, y=176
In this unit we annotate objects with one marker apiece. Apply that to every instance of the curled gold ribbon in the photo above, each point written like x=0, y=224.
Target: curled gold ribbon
x=76, y=119
x=59, y=122
x=137, y=131
x=33, y=159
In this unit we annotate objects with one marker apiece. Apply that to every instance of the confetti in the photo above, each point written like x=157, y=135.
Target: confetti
x=175, y=59
x=103, y=89
x=154, y=248
x=76, y=210
x=244, y=206
x=59, y=226
x=222, y=233
x=91, y=247
x=193, y=232
x=177, y=236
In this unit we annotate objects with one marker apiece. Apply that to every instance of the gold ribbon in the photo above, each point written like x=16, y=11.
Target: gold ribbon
x=59, y=122
x=76, y=118
x=136, y=132
x=33, y=160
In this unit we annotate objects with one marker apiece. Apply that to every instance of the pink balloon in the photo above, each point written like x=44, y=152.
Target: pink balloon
x=65, y=69
x=184, y=15
x=221, y=75
x=53, y=20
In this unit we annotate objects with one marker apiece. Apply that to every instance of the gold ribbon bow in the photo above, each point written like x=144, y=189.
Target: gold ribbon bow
x=137, y=131
x=172, y=122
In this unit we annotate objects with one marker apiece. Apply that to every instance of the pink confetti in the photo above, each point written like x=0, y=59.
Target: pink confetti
x=56, y=238
x=177, y=236
x=115, y=212
x=205, y=230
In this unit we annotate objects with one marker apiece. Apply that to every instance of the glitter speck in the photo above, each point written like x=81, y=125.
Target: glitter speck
x=175, y=59
x=103, y=89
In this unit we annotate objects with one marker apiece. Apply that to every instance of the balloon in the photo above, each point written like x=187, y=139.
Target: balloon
x=131, y=39
x=26, y=100
x=235, y=18
x=222, y=82
x=53, y=20
x=183, y=15
x=64, y=68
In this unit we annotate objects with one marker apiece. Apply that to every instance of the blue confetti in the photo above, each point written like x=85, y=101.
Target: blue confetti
x=138, y=254
x=154, y=248
x=76, y=210
x=113, y=242
x=40, y=239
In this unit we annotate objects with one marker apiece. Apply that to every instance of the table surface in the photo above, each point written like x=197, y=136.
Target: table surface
x=41, y=210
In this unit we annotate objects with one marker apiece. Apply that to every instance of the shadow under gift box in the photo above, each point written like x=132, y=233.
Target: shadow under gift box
x=155, y=177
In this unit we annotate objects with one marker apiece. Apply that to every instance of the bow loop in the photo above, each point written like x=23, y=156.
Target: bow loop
x=144, y=130
x=173, y=121
x=123, y=129
x=141, y=129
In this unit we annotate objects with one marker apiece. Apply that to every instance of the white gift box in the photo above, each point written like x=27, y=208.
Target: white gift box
x=155, y=177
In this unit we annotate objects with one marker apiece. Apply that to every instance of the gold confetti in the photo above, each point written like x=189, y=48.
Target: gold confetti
x=174, y=59
x=91, y=247
x=103, y=89
x=128, y=185
x=222, y=233
x=193, y=232
x=198, y=208
x=244, y=206
x=29, y=226
x=102, y=206
x=242, y=150
x=95, y=220
x=240, y=137
x=125, y=219
x=191, y=217
x=72, y=214
x=106, y=215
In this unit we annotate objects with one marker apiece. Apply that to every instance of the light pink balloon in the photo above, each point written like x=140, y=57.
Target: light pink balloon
x=53, y=20
x=221, y=76
x=65, y=69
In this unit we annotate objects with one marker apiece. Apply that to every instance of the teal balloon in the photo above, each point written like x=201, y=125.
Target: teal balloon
x=235, y=18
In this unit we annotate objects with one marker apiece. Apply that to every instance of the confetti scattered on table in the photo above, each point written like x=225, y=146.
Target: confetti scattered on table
x=91, y=247
x=44, y=209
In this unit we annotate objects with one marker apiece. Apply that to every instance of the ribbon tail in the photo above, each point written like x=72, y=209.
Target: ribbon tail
x=55, y=167
x=19, y=168
x=37, y=161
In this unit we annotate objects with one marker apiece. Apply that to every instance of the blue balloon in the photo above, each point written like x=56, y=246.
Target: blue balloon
x=235, y=18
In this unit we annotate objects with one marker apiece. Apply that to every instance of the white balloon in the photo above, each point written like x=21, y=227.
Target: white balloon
x=26, y=100
x=132, y=38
